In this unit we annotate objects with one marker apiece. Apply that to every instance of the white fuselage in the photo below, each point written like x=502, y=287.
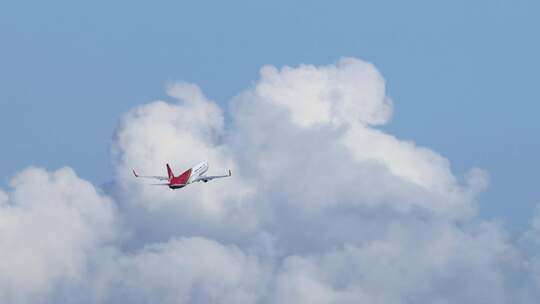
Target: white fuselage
x=198, y=171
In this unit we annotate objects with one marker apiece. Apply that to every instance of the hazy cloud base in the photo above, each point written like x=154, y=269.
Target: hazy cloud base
x=323, y=207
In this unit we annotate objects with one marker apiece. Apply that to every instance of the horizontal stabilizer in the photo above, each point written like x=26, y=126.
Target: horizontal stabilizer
x=152, y=177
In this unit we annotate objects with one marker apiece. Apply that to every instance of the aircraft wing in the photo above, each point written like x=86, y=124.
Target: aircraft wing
x=150, y=176
x=211, y=177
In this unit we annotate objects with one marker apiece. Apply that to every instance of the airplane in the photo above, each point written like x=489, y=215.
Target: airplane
x=190, y=176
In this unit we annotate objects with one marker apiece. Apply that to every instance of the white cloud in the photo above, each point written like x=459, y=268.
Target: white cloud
x=189, y=270
x=49, y=225
x=351, y=91
x=413, y=262
x=322, y=208
x=181, y=133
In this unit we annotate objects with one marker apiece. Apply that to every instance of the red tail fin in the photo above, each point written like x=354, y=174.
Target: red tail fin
x=169, y=172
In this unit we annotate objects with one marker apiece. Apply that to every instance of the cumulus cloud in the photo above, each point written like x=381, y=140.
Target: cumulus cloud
x=351, y=91
x=49, y=224
x=188, y=270
x=323, y=207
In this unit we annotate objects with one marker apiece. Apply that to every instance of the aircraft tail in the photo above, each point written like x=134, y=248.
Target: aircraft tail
x=169, y=172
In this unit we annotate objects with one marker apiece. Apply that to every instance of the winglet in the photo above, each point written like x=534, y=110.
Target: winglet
x=230, y=172
x=135, y=173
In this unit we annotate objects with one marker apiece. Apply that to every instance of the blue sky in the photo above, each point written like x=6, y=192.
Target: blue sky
x=462, y=74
